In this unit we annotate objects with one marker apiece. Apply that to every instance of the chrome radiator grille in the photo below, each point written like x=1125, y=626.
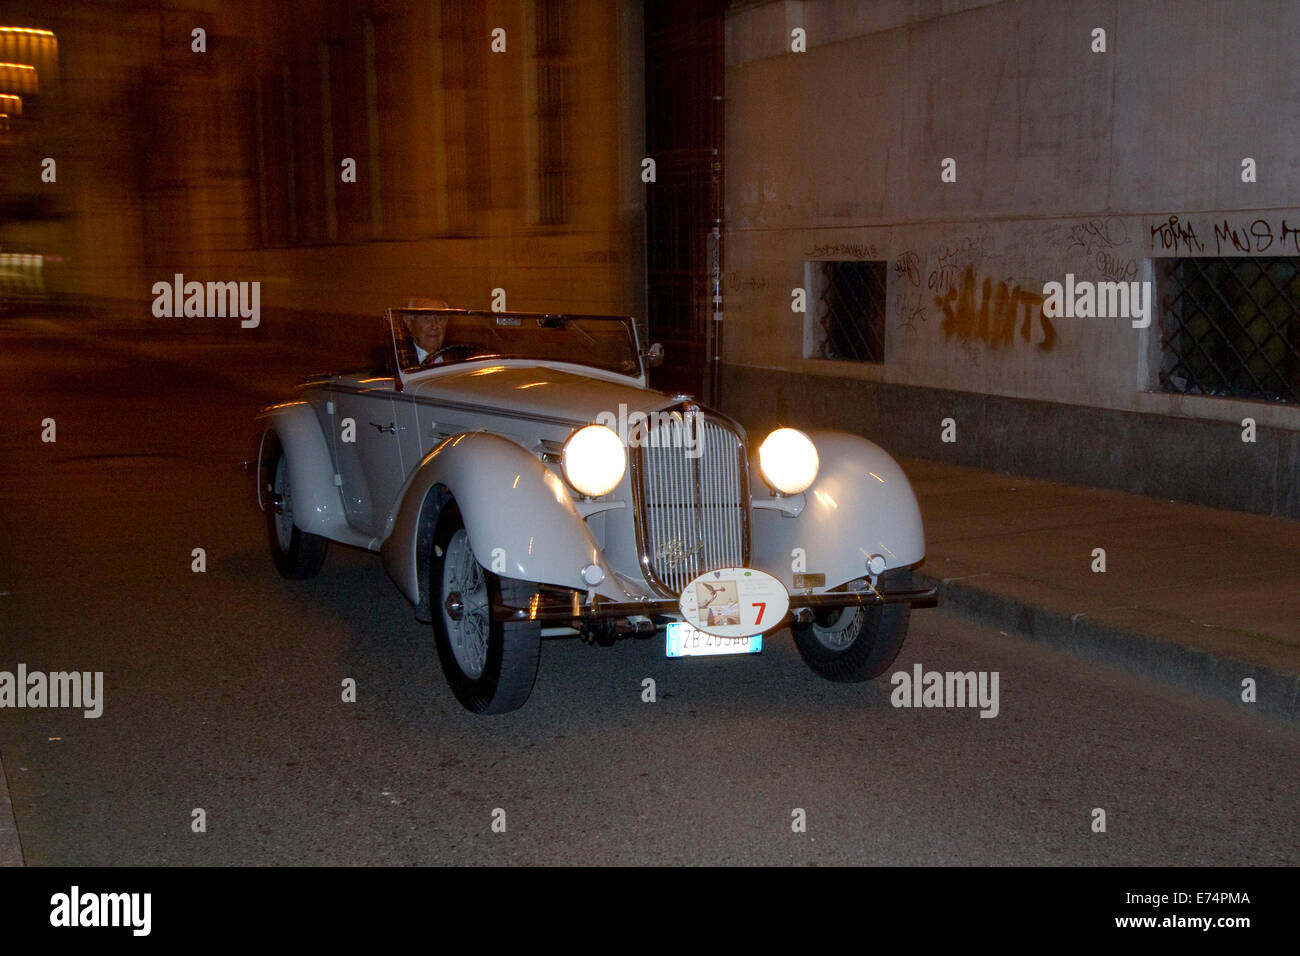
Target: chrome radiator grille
x=692, y=512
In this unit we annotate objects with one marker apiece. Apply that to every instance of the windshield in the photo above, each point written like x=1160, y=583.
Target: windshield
x=426, y=338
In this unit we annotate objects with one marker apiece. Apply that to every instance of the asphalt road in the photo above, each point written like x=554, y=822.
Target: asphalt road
x=223, y=692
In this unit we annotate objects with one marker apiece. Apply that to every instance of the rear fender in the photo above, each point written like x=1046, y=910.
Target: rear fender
x=317, y=503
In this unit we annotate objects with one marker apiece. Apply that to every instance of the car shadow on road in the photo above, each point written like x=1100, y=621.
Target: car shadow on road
x=376, y=639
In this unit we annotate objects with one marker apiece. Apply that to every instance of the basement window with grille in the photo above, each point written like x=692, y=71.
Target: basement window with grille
x=847, y=318
x=1230, y=327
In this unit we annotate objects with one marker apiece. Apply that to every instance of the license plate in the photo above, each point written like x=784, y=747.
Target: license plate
x=685, y=640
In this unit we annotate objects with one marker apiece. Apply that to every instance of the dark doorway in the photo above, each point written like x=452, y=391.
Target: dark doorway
x=683, y=84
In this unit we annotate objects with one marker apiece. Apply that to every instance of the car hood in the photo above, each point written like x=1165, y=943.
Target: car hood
x=539, y=390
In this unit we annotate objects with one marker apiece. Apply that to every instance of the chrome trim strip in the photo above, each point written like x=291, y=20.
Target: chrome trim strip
x=453, y=406
x=555, y=607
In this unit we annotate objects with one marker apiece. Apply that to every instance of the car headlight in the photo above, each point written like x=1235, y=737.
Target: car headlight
x=593, y=460
x=788, y=460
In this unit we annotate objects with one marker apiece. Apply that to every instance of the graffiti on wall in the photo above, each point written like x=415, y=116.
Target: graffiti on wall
x=840, y=250
x=1176, y=236
x=979, y=310
x=969, y=250
x=1096, y=235
x=1256, y=238
x=735, y=282
x=1116, y=268
x=1226, y=237
x=908, y=266
x=958, y=284
x=1102, y=242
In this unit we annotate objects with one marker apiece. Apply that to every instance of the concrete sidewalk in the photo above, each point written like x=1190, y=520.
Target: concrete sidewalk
x=1190, y=595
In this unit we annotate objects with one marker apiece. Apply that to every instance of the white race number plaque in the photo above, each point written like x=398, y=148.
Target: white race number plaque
x=734, y=602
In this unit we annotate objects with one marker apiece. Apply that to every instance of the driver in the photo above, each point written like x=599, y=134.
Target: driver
x=427, y=331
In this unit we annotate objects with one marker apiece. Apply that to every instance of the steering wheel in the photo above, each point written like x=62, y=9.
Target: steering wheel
x=433, y=357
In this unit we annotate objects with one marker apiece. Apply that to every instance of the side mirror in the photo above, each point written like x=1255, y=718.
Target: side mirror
x=654, y=355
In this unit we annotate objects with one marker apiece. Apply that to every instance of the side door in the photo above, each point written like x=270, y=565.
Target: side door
x=369, y=452
x=409, y=439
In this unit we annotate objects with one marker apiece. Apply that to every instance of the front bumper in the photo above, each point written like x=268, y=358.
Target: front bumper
x=559, y=607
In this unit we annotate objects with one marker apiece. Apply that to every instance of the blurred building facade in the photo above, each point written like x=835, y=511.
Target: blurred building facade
x=910, y=175
x=348, y=156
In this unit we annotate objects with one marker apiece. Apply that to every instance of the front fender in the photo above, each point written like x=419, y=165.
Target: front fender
x=861, y=504
x=521, y=521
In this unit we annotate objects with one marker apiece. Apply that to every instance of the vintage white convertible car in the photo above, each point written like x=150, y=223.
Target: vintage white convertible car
x=520, y=481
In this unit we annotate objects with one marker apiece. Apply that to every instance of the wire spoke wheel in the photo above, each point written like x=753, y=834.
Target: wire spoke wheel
x=856, y=643
x=490, y=666
x=839, y=628
x=297, y=554
x=284, y=512
x=469, y=621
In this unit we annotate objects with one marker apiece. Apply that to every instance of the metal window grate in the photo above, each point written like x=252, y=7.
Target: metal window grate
x=1231, y=327
x=851, y=311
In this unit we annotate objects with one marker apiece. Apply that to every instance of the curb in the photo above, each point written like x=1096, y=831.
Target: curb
x=11, y=850
x=1212, y=675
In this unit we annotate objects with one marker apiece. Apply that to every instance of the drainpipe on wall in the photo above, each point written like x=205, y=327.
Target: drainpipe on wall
x=714, y=373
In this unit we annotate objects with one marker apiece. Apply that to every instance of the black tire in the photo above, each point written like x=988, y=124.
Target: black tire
x=508, y=656
x=297, y=554
x=851, y=645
